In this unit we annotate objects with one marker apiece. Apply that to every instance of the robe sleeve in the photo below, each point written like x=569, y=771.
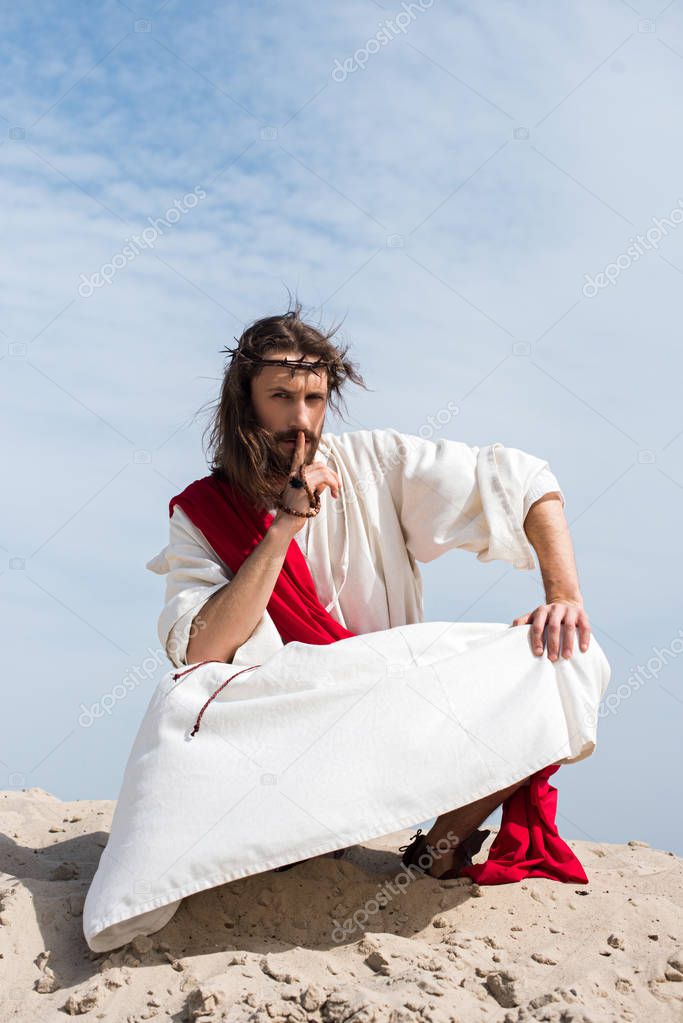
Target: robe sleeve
x=194, y=572
x=449, y=494
x=544, y=483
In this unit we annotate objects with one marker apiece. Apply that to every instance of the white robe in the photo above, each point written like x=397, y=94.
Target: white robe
x=438, y=496
x=319, y=747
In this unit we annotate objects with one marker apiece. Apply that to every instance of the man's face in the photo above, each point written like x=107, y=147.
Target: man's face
x=284, y=404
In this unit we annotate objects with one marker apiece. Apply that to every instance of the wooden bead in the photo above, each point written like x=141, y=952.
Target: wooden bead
x=314, y=499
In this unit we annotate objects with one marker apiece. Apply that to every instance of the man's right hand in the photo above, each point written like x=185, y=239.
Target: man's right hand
x=318, y=476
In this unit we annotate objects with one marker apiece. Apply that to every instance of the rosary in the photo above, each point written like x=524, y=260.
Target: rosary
x=298, y=482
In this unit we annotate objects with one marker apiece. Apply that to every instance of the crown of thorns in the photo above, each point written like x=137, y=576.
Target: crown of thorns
x=240, y=353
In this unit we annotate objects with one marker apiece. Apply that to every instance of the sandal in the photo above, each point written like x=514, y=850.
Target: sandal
x=469, y=847
x=419, y=846
x=416, y=848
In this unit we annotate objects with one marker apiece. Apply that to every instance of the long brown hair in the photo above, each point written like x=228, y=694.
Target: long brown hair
x=242, y=451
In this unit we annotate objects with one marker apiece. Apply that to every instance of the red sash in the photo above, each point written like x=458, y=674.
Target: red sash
x=527, y=844
x=234, y=527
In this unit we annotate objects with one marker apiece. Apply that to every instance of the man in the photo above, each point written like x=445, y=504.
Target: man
x=346, y=716
x=290, y=406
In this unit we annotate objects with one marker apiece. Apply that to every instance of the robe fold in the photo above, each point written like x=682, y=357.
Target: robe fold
x=318, y=747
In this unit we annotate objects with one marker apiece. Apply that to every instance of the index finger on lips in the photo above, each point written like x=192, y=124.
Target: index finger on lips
x=299, y=448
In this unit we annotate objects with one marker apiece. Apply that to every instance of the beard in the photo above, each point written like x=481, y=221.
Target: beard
x=278, y=458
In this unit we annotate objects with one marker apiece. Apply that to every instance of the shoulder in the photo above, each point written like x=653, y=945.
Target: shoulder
x=199, y=488
x=384, y=449
x=181, y=523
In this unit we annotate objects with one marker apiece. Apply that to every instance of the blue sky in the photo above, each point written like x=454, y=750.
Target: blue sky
x=487, y=195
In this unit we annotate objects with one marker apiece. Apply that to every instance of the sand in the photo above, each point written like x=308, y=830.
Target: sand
x=340, y=941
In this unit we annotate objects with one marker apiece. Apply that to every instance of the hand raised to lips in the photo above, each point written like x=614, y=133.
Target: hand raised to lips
x=318, y=476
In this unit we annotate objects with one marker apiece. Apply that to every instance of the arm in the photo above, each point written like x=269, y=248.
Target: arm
x=548, y=532
x=229, y=618
x=194, y=575
x=193, y=572
x=495, y=501
x=448, y=495
x=230, y=615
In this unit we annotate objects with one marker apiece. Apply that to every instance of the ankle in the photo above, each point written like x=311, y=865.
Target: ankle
x=442, y=865
x=446, y=852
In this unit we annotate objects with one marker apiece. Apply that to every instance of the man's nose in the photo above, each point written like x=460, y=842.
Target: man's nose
x=302, y=422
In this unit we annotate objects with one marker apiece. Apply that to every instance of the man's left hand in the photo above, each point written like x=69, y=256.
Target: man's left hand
x=567, y=613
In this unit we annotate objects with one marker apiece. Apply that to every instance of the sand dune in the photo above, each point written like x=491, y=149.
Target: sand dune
x=341, y=941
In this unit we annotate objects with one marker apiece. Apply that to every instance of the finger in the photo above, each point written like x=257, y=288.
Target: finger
x=299, y=451
x=334, y=484
x=329, y=480
x=553, y=640
x=539, y=619
x=584, y=630
x=569, y=634
x=522, y=620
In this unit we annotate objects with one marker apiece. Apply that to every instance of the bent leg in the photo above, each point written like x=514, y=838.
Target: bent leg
x=457, y=825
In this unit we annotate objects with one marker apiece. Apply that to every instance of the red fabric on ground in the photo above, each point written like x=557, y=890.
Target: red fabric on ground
x=528, y=844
